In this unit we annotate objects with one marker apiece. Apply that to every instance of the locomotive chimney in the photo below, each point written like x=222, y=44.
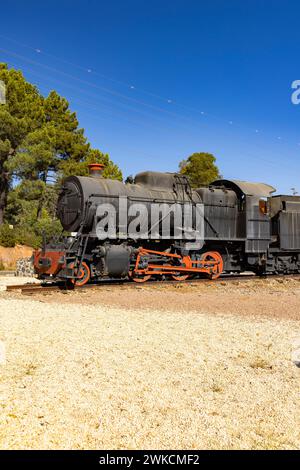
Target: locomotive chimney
x=95, y=170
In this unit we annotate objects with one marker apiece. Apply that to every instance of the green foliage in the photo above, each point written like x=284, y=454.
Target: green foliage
x=23, y=207
x=7, y=236
x=111, y=170
x=21, y=114
x=200, y=168
x=58, y=139
x=33, y=236
x=40, y=144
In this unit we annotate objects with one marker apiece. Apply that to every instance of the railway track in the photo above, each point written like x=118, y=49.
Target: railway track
x=34, y=288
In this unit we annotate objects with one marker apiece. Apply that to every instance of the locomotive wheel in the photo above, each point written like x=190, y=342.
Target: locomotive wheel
x=141, y=277
x=186, y=260
x=83, y=276
x=183, y=277
x=214, y=256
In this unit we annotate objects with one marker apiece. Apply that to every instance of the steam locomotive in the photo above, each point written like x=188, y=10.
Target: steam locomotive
x=244, y=228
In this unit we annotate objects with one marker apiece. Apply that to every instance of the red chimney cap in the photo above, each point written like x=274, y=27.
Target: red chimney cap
x=96, y=166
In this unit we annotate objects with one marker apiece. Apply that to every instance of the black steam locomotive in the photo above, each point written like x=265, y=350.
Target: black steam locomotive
x=244, y=228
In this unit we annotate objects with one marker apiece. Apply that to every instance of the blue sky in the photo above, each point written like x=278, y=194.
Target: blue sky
x=154, y=81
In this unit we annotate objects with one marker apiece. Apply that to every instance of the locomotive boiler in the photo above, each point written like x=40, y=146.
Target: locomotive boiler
x=233, y=226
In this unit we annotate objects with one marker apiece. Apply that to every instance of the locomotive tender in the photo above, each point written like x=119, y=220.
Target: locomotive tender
x=245, y=229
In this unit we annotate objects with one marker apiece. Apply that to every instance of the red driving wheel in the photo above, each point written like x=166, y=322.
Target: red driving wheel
x=140, y=277
x=187, y=262
x=83, y=276
x=217, y=267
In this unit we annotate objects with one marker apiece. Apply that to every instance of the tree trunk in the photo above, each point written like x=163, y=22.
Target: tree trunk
x=39, y=208
x=4, y=186
x=41, y=199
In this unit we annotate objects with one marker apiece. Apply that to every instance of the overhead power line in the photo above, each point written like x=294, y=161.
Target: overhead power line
x=121, y=96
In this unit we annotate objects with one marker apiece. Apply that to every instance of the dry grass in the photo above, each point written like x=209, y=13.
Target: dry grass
x=86, y=377
x=9, y=256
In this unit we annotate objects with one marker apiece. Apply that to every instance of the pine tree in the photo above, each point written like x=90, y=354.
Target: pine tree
x=40, y=144
x=21, y=114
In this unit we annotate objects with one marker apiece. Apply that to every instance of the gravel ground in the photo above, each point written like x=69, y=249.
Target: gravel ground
x=151, y=368
x=266, y=298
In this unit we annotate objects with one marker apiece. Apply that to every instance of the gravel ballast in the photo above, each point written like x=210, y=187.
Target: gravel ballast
x=95, y=376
